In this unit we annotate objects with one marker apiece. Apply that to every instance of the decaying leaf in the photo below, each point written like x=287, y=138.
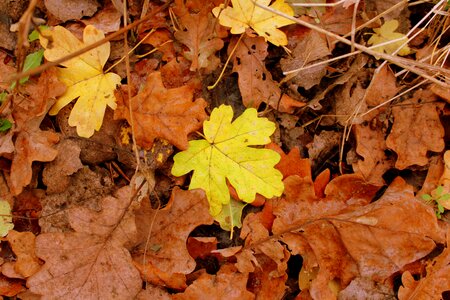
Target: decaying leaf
x=166, y=249
x=245, y=14
x=387, y=33
x=433, y=284
x=225, y=155
x=32, y=143
x=93, y=261
x=165, y=113
x=71, y=10
x=416, y=130
x=373, y=241
x=83, y=76
x=201, y=39
x=226, y=284
x=255, y=81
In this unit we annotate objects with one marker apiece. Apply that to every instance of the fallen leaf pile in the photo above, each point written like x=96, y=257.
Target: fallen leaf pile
x=191, y=149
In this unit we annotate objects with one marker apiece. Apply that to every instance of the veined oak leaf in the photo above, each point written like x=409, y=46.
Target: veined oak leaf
x=245, y=14
x=83, y=76
x=225, y=154
x=385, y=34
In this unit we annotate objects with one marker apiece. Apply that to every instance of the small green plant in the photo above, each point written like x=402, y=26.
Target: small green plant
x=436, y=198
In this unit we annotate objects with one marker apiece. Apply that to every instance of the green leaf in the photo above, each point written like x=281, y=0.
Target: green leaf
x=231, y=214
x=5, y=218
x=33, y=60
x=3, y=96
x=444, y=197
x=226, y=154
x=5, y=125
x=34, y=35
x=438, y=191
x=427, y=197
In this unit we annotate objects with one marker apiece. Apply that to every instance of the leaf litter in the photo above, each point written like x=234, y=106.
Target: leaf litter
x=319, y=172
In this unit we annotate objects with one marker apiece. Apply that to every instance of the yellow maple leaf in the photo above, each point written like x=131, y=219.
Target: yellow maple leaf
x=225, y=155
x=385, y=34
x=6, y=218
x=83, y=76
x=245, y=14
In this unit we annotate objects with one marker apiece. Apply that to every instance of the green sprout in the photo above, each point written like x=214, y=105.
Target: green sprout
x=436, y=198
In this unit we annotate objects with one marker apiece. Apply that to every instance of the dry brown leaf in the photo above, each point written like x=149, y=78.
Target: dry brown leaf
x=416, y=130
x=373, y=241
x=106, y=20
x=170, y=228
x=6, y=70
x=153, y=292
x=163, y=113
x=371, y=145
x=255, y=81
x=228, y=283
x=383, y=86
x=56, y=173
x=200, y=36
x=66, y=10
x=291, y=163
x=436, y=281
x=32, y=143
x=157, y=277
x=312, y=48
x=23, y=245
x=93, y=261
x=10, y=287
x=161, y=39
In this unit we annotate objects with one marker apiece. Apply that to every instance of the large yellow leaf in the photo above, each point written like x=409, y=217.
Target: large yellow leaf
x=245, y=14
x=83, y=76
x=225, y=155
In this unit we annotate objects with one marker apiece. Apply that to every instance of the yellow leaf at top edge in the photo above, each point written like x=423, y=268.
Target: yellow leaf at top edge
x=83, y=76
x=245, y=14
x=226, y=155
x=6, y=218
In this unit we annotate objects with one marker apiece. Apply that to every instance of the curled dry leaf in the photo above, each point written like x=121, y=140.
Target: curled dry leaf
x=92, y=262
x=228, y=283
x=163, y=113
x=373, y=241
x=170, y=228
x=32, y=143
x=416, y=130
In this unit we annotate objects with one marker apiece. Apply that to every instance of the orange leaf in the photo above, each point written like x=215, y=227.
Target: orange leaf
x=23, y=245
x=163, y=113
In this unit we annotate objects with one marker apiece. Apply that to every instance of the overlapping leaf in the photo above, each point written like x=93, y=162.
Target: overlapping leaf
x=83, y=76
x=225, y=155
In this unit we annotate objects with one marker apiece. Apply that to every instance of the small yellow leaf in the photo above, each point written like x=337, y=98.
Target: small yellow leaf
x=225, y=155
x=385, y=34
x=245, y=14
x=83, y=76
x=5, y=219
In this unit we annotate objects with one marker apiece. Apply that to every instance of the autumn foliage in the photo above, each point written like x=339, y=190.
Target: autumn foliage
x=239, y=149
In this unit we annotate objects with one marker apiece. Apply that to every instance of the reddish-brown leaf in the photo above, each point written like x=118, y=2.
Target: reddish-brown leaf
x=416, y=130
x=23, y=245
x=32, y=143
x=170, y=228
x=228, y=283
x=200, y=36
x=92, y=262
x=255, y=81
x=163, y=113
x=291, y=163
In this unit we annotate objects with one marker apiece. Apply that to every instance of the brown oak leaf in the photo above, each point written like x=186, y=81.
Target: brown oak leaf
x=163, y=113
x=92, y=262
x=416, y=130
x=371, y=241
x=436, y=281
x=255, y=81
x=32, y=143
x=171, y=226
x=228, y=283
x=23, y=245
x=200, y=36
